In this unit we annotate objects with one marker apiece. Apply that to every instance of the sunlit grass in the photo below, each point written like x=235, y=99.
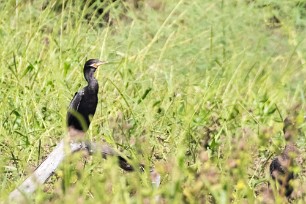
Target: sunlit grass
x=197, y=88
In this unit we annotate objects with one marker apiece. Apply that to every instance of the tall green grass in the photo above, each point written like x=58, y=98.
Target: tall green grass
x=197, y=88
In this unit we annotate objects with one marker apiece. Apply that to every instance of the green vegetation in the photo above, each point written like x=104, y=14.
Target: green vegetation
x=198, y=88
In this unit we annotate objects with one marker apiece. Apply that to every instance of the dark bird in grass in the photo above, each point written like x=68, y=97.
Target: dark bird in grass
x=84, y=103
x=281, y=169
x=281, y=166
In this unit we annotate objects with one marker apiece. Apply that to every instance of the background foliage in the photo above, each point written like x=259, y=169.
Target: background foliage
x=198, y=88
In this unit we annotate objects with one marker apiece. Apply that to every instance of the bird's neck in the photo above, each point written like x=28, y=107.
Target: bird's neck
x=92, y=81
x=93, y=84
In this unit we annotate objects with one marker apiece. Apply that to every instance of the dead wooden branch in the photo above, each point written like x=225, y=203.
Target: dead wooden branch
x=51, y=163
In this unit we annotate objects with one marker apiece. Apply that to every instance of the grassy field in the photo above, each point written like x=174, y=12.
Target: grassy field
x=199, y=89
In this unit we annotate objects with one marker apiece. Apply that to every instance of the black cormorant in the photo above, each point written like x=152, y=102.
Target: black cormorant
x=281, y=166
x=84, y=103
x=280, y=169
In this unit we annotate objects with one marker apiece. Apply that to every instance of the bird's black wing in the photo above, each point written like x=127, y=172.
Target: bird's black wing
x=74, y=104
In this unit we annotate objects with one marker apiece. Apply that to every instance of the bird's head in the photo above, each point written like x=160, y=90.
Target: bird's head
x=90, y=67
x=93, y=63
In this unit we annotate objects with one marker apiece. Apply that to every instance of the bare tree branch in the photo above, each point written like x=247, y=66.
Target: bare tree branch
x=51, y=163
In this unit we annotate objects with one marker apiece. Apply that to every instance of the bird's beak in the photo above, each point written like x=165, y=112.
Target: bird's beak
x=96, y=65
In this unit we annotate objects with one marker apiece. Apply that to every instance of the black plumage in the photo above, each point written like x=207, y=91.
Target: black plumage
x=84, y=103
x=280, y=169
